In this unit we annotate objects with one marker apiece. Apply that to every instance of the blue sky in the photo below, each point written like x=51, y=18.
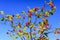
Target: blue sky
x=16, y=6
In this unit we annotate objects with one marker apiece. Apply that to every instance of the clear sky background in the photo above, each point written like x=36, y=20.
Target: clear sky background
x=16, y=6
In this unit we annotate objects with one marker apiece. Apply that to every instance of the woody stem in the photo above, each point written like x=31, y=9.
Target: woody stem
x=31, y=33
